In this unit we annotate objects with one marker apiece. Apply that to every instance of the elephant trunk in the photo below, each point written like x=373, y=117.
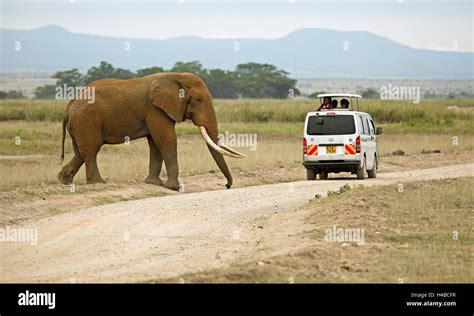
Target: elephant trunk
x=218, y=157
x=210, y=134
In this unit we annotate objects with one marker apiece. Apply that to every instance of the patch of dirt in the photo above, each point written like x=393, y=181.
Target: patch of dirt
x=25, y=157
x=37, y=202
x=47, y=200
x=390, y=252
x=390, y=163
x=165, y=237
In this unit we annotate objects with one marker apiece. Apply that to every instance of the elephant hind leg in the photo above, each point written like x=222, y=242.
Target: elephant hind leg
x=89, y=143
x=156, y=162
x=67, y=173
x=92, y=171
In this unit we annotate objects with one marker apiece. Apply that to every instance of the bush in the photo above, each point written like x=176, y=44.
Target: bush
x=12, y=94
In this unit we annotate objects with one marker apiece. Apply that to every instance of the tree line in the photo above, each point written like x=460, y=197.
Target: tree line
x=249, y=80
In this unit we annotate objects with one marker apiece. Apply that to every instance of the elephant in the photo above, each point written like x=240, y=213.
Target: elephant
x=149, y=107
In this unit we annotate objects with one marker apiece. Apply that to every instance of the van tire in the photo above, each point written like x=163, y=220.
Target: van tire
x=373, y=173
x=310, y=174
x=323, y=175
x=362, y=171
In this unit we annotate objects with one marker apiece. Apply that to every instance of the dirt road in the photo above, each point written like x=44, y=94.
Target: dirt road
x=165, y=237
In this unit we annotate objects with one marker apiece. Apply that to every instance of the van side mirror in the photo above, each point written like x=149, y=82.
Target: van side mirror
x=379, y=131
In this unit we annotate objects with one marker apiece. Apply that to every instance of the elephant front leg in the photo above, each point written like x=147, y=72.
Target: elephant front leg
x=170, y=156
x=162, y=132
x=156, y=161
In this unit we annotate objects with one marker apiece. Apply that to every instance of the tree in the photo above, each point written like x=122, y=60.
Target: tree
x=249, y=80
x=45, y=92
x=106, y=70
x=3, y=95
x=264, y=81
x=194, y=67
x=221, y=83
x=149, y=71
x=370, y=93
x=15, y=94
x=72, y=78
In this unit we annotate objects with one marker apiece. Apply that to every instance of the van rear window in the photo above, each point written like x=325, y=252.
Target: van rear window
x=331, y=125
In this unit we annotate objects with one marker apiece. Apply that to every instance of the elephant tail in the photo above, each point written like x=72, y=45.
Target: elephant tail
x=65, y=119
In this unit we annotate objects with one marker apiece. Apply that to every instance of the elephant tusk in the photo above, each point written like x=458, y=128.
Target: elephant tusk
x=232, y=150
x=220, y=150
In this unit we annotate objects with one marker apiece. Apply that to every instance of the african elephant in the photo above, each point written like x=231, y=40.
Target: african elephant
x=142, y=107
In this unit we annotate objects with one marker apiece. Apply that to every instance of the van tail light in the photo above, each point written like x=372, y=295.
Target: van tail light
x=305, y=146
x=358, y=144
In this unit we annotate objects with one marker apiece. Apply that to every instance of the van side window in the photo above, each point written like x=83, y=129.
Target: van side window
x=366, y=128
x=360, y=125
x=371, y=126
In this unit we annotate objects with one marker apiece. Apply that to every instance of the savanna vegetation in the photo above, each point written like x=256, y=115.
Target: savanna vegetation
x=451, y=116
x=32, y=129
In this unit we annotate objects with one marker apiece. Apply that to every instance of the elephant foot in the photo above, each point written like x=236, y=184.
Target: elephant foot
x=65, y=177
x=153, y=180
x=172, y=184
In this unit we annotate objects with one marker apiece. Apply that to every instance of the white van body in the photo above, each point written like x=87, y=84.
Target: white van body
x=340, y=140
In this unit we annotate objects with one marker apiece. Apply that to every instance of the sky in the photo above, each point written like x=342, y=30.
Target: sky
x=438, y=25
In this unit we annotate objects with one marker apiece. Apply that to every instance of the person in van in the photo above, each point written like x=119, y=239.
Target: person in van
x=327, y=104
x=334, y=103
x=344, y=104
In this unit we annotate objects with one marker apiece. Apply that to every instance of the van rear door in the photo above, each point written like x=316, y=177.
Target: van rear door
x=327, y=134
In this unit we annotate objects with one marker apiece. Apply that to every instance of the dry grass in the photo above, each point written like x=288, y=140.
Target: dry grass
x=409, y=237
x=35, y=160
x=277, y=123
x=121, y=163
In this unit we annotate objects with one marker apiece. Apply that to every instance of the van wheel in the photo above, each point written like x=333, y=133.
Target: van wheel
x=310, y=174
x=362, y=171
x=323, y=175
x=373, y=173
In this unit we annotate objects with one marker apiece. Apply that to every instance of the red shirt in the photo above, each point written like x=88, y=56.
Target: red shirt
x=325, y=106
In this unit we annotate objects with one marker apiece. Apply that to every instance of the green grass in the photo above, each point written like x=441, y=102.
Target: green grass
x=269, y=114
x=32, y=110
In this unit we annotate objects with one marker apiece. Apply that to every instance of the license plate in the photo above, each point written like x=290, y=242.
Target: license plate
x=330, y=149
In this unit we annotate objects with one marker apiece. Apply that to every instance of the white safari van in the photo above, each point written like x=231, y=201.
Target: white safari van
x=338, y=138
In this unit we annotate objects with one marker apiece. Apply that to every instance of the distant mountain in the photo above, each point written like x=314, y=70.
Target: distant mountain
x=305, y=53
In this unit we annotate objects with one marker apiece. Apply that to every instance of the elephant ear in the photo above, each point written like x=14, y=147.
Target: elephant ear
x=170, y=95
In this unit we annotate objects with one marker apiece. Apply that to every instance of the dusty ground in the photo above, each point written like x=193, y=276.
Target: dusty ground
x=408, y=238
x=30, y=202
x=164, y=237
